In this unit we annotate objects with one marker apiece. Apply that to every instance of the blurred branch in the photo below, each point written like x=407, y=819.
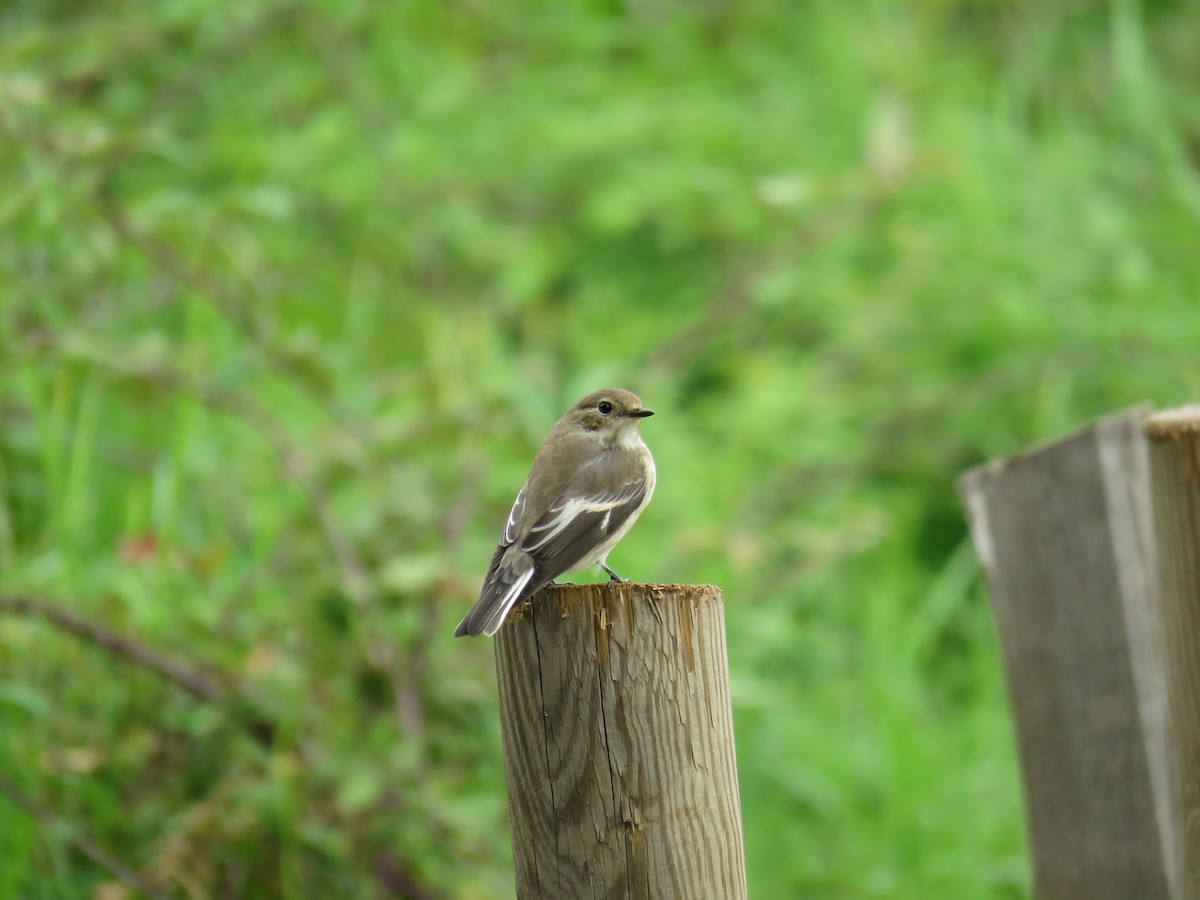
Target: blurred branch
x=461, y=511
x=395, y=879
x=452, y=526
x=389, y=869
x=190, y=679
x=181, y=674
x=50, y=822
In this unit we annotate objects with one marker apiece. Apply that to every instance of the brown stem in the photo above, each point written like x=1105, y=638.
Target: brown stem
x=452, y=526
x=179, y=673
x=185, y=676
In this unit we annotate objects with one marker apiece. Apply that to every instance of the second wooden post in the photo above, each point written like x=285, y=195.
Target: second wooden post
x=1174, y=437
x=618, y=744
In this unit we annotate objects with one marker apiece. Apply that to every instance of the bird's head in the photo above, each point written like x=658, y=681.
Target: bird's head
x=612, y=414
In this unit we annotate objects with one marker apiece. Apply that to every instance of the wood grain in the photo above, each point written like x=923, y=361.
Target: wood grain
x=1174, y=437
x=1064, y=536
x=618, y=744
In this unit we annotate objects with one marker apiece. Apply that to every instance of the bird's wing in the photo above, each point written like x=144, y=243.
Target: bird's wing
x=507, y=582
x=507, y=577
x=513, y=528
x=579, y=523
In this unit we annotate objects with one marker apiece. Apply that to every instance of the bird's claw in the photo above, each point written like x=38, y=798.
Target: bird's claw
x=613, y=577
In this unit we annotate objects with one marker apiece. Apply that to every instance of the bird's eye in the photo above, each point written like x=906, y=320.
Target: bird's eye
x=604, y=407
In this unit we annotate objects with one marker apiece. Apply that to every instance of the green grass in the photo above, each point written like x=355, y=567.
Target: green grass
x=290, y=293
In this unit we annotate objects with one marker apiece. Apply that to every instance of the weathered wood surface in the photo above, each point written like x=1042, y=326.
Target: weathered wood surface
x=618, y=744
x=1174, y=437
x=1064, y=536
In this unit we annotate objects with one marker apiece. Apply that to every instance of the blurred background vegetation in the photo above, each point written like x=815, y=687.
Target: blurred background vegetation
x=291, y=290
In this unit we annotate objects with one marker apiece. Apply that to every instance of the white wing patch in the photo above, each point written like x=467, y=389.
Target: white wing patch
x=567, y=513
x=510, y=529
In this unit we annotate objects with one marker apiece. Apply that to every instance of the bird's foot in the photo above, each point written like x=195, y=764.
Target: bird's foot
x=613, y=577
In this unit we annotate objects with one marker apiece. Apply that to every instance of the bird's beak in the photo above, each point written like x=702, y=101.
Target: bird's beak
x=641, y=413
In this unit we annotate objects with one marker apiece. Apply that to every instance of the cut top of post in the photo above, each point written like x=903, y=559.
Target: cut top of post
x=1172, y=424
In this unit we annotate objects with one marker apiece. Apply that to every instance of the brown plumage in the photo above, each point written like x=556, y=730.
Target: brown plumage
x=590, y=481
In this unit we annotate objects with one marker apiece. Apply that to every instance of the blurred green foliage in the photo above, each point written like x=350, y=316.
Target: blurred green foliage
x=291, y=291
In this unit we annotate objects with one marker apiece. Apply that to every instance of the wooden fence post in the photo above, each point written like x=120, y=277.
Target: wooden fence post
x=1174, y=437
x=618, y=744
x=1064, y=536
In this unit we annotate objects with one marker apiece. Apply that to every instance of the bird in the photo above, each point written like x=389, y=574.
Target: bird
x=589, y=483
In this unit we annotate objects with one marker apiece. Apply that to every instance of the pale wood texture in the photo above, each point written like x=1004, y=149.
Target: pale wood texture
x=618, y=744
x=1174, y=437
x=1064, y=536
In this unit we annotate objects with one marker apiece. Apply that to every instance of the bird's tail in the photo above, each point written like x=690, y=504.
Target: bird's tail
x=508, y=580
